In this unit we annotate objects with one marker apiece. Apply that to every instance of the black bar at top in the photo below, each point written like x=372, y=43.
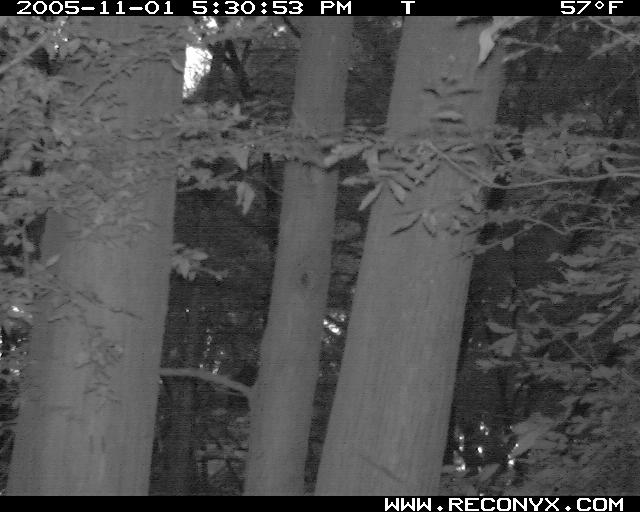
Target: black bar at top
x=305, y=7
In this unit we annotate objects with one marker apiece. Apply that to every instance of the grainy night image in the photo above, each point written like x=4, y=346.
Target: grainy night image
x=320, y=255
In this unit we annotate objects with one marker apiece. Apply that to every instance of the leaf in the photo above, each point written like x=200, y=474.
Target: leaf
x=398, y=191
x=350, y=181
x=449, y=115
x=73, y=45
x=554, y=256
x=591, y=318
x=241, y=156
x=499, y=329
x=331, y=159
x=580, y=161
x=490, y=34
x=625, y=331
x=487, y=42
x=514, y=55
x=402, y=179
x=507, y=243
x=342, y=152
x=245, y=196
x=504, y=346
x=577, y=260
x=430, y=222
x=370, y=156
x=407, y=221
x=468, y=159
x=370, y=197
x=52, y=260
x=198, y=255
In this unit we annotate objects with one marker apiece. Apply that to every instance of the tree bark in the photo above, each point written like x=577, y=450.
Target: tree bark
x=180, y=467
x=387, y=431
x=283, y=405
x=72, y=439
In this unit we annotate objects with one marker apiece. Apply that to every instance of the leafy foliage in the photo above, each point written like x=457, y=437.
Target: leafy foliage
x=564, y=331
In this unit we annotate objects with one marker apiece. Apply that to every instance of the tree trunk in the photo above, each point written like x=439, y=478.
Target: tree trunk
x=180, y=459
x=87, y=419
x=282, y=410
x=388, y=426
x=180, y=467
x=184, y=348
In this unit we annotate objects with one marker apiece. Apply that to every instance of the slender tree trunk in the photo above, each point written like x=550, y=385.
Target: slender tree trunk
x=184, y=348
x=282, y=410
x=180, y=449
x=87, y=421
x=180, y=465
x=387, y=431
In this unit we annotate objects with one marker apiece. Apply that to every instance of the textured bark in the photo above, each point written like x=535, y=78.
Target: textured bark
x=71, y=440
x=387, y=431
x=283, y=405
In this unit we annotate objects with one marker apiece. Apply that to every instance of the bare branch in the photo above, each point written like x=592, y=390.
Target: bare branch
x=207, y=376
x=24, y=54
x=294, y=30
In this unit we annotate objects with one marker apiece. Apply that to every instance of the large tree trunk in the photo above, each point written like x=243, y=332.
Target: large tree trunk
x=87, y=422
x=388, y=426
x=283, y=405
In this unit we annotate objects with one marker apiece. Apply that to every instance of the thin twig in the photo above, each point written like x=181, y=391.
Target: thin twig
x=633, y=40
x=24, y=54
x=575, y=179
